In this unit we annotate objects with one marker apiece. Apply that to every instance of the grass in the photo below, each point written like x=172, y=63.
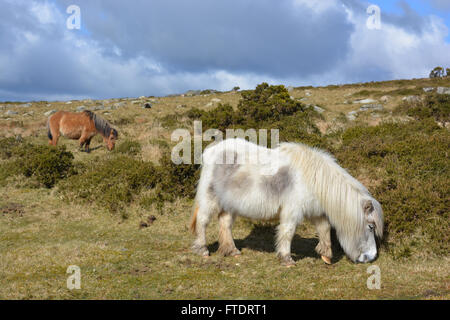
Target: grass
x=402, y=158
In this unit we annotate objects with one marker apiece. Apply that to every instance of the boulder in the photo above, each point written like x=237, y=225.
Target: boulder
x=318, y=109
x=443, y=90
x=411, y=99
x=429, y=89
x=307, y=93
x=352, y=115
x=50, y=112
x=215, y=100
x=365, y=101
x=80, y=108
x=11, y=113
x=371, y=107
x=25, y=105
x=385, y=99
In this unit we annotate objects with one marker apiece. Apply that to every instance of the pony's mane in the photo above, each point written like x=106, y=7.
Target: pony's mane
x=339, y=194
x=102, y=126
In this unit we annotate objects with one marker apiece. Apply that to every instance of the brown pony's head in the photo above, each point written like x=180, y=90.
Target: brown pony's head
x=111, y=139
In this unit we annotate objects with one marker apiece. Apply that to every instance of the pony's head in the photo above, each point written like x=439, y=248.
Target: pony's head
x=111, y=139
x=361, y=245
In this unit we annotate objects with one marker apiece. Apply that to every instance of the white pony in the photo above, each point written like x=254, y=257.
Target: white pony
x=289, y=183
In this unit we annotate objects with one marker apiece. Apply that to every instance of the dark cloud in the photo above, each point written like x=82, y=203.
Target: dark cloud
x=272, y=38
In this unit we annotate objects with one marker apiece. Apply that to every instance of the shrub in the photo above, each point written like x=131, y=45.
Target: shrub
x=435, y=106
x=129, y=147
x=46, y=164
x=112, y=183
x=409, y=174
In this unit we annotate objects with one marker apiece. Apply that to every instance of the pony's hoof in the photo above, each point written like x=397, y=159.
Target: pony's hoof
x=287, y=262
x=236, y=253
x=326, y=260
x=201, y=251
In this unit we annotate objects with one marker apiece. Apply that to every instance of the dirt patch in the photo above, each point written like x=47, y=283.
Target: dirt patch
x=12, y=209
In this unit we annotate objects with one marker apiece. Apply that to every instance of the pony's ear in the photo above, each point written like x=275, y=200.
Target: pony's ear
x=367, y=206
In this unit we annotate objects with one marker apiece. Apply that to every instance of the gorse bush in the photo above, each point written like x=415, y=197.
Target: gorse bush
x=112, y=183
x=129, y=147
x=46, y=164
x=409, y=169
x=266, y=107
x=435, y=106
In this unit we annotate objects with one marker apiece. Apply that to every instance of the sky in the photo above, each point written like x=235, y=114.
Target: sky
x=160, y=47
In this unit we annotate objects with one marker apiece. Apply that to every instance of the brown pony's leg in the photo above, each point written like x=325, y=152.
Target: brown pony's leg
x=84, y=140
x=226, y=242
x=86, y=145
x=323, y=228
x=53, y=130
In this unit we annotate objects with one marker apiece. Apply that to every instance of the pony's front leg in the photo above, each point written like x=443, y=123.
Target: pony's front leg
x=87, y=146
x=285, y=233
x=323, y=248
x=226, y=242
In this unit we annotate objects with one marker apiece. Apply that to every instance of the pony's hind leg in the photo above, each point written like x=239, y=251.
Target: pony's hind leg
x=226, y=242
x=200, y=221
x=323, y=228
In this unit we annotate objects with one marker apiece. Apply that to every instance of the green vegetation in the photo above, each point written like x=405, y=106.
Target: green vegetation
x=46, y=164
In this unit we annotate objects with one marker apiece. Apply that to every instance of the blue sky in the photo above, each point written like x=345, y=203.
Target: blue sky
x=158, y=47
x=423, y=7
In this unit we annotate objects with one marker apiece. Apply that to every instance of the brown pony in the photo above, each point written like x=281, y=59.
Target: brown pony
x=83, y=126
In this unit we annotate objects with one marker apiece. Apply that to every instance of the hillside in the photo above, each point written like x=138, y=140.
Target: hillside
x=95, y=213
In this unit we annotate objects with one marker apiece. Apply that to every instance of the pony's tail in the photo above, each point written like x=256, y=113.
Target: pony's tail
x=49, y=132
x=194, y=220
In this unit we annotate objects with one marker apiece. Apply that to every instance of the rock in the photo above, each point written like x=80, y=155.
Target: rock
x=81, y=108
x=371, y=107
x=11, y=113
x=365, y=101
x=209, y=104
x=385, y=99
x=319, y=109
x=307, y=93
x=303, y=99
x=69, y=102
x=215, y=100
x=50, y=112
x=101, y=107
x=191, y=93
x=119, y=104
x=25, y=105
x=135, y=102
x=29, y=113
x=146, y=106
x=142, y=97
x=429, y=89
x=352, y=115
x=411, y=99
x=443, y=90
x=181, y=106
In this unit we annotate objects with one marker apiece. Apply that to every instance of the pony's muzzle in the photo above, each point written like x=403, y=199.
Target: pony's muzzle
x=365, y=258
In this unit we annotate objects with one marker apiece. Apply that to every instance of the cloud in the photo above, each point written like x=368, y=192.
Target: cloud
x=162, y=47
